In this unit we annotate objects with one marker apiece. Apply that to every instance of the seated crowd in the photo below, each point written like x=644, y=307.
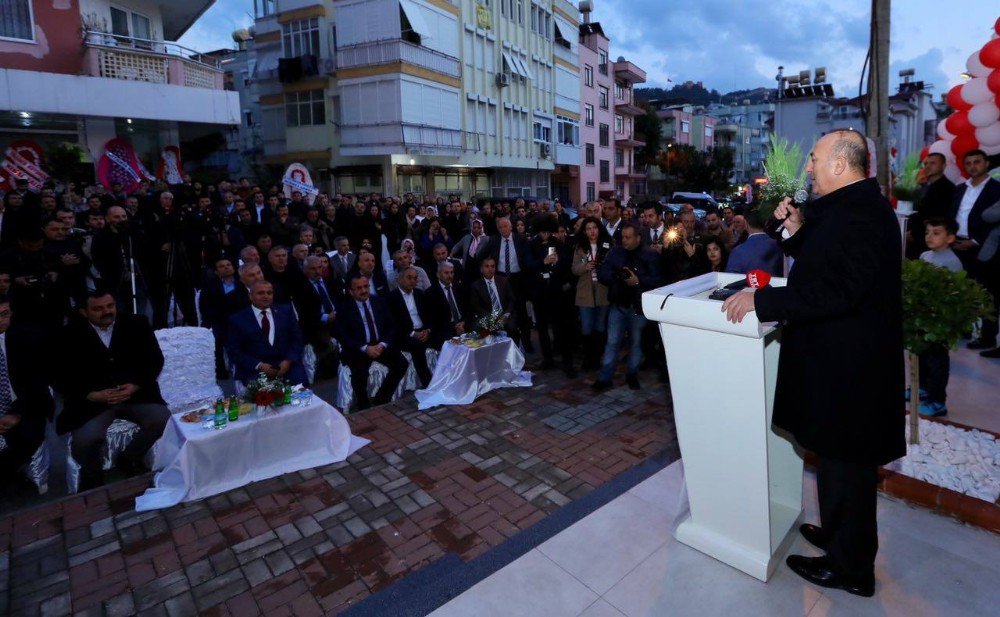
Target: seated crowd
x=360, y=280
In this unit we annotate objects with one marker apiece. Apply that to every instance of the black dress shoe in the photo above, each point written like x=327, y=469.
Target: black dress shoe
x=819, y=571
x=991, y=353
x=632, y=381
x=813, y=535
x=980, y=344
x=600, y=386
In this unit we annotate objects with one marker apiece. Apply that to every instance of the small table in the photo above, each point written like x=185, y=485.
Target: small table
x=195, y=461
x=464, y=373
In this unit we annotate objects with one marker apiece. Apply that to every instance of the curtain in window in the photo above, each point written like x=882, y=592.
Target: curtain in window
x=15, y=19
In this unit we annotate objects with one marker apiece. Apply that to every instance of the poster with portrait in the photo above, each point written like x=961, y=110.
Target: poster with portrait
x=297, y=178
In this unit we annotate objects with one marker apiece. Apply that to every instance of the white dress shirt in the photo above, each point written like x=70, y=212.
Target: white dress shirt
x=3, y=346
x=104, y=333
x=411, y=308
x=972, y=193
x=612, y=227
x=258, y=313
x=513, y=267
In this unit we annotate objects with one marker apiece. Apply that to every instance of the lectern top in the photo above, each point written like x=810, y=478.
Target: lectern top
x=687, y=303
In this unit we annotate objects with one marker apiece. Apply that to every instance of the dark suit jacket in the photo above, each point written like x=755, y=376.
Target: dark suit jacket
x=351, y=325
x=978, y=228
x=524, y=258
x=87, y=366
x=401, y=320
x=337, y=268
x=441, y=324
x=26, y=367
x=432, y=267
x=216, y=305
x=759, y=251
x=479, y=298
x=840, y=368
x=247, y=346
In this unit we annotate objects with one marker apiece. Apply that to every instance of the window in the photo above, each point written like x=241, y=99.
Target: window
x=588, y=75
x=709, y=131
x=16, y=20
x=542, y=133
x=589, y=154
x=685, y=126
x=305, y=108
x=619, y=157
x=560, y=39
x=603, y=96
x=263, y=8
x=588, y=114
x=605, y=171
x=621, y=92
x=248, y=116
x=130, y=25
x=619, y=124
x=602, y=61
x=301, y=38
x=568, y=131
x=603, y=135
x=591, y=191
x=519, y=4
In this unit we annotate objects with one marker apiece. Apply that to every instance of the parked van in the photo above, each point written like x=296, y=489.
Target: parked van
x=702, y=201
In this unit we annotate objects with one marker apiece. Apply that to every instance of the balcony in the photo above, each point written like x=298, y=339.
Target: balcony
x=628, y=141
x=392, y=51
x=627, y=108
x=629, y=72
x=405, y=138
x=726, y=128
x=156, y=62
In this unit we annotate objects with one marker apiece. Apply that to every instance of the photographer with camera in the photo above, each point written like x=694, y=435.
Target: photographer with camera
x=628, y=270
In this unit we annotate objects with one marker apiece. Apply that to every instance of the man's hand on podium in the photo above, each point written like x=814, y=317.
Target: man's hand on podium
x=739, y=304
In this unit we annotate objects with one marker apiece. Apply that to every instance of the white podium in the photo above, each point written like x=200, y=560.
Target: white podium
x=744, y=481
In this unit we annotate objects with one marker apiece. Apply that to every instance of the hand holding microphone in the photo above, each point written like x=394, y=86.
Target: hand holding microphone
x=787, y=215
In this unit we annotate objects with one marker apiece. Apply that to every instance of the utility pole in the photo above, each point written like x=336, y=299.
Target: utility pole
x=878, y=89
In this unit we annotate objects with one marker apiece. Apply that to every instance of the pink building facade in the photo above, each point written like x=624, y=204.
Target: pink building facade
x=607, y=121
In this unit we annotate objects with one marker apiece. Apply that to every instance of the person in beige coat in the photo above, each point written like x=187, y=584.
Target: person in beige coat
x=593, y=244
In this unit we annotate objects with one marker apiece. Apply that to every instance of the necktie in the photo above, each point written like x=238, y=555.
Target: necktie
x=5, y=389
x=324, y=297
x=372, y=334
x=494, y=298
x=455, y=314
x=265, y=325
x=506, y=256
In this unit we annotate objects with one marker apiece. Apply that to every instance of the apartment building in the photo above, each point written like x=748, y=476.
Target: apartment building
x=746, y=129
x=479, y=98
x=87, y=71
x=607, y=127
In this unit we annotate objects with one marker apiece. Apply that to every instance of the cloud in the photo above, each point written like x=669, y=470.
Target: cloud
x=214, y=29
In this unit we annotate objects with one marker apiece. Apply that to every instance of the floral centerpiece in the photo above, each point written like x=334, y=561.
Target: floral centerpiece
x=265, y=392
x=490, y=324
x=785, y=174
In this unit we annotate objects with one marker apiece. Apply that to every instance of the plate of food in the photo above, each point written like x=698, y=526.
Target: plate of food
x=194, y=416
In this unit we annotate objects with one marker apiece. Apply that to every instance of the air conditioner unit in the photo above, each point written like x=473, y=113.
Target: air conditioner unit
x=503, y=80
x=546, y=150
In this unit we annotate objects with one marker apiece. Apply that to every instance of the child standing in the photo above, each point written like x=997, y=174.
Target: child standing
x=935, y=365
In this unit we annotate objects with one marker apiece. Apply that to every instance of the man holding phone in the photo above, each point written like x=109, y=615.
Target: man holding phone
x=628, y=270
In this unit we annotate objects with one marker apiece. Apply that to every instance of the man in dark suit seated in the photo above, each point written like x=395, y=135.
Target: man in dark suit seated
x=410, y=314
x=758, y=252
x=448, y=306
x=366, y=335
x=109, y=371
x=318, y=314
x=266, y=339
x=492, y=293
x=25, y=400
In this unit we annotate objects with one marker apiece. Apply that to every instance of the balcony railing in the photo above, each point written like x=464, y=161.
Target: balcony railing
x=158, y=62
x=413, y=137
x=390, y=51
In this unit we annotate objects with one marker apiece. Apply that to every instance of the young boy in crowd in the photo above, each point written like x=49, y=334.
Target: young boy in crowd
x=935, y=365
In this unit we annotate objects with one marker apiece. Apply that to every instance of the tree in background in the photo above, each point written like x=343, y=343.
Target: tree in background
x=689, y=169
x=649, y=129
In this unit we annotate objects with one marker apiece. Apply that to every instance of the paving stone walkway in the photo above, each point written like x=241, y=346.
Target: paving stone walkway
x=459, y=480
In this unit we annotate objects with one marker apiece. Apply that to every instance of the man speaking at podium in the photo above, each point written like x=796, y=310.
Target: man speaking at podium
x=840, y=368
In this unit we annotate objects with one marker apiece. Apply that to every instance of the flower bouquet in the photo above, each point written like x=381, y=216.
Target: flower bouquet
x=785, y=174
x=265, y=392
x=491, y=324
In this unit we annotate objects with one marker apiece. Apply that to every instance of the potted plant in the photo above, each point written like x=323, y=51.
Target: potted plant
x=939, y=307
x=95, y=28
x=785, y=174
x=906, y=190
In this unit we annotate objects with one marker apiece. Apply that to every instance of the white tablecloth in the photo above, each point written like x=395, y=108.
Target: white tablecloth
x=197, y=462
x=464, y=373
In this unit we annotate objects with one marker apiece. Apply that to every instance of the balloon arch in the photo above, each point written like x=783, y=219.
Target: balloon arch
x=975, y=121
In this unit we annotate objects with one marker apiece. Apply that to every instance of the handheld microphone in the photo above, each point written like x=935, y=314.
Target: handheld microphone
x=758, y=279
x=774, y=225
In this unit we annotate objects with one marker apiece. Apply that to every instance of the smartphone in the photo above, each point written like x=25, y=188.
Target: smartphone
x=552, y=250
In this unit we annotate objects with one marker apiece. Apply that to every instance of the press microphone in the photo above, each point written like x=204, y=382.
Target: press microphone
x=774, y=225
x=758, y=279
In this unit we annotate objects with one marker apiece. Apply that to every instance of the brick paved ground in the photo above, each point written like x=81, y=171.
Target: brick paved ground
x=456, y=480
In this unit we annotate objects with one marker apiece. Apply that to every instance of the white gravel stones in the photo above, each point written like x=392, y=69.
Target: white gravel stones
x=967, y=461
